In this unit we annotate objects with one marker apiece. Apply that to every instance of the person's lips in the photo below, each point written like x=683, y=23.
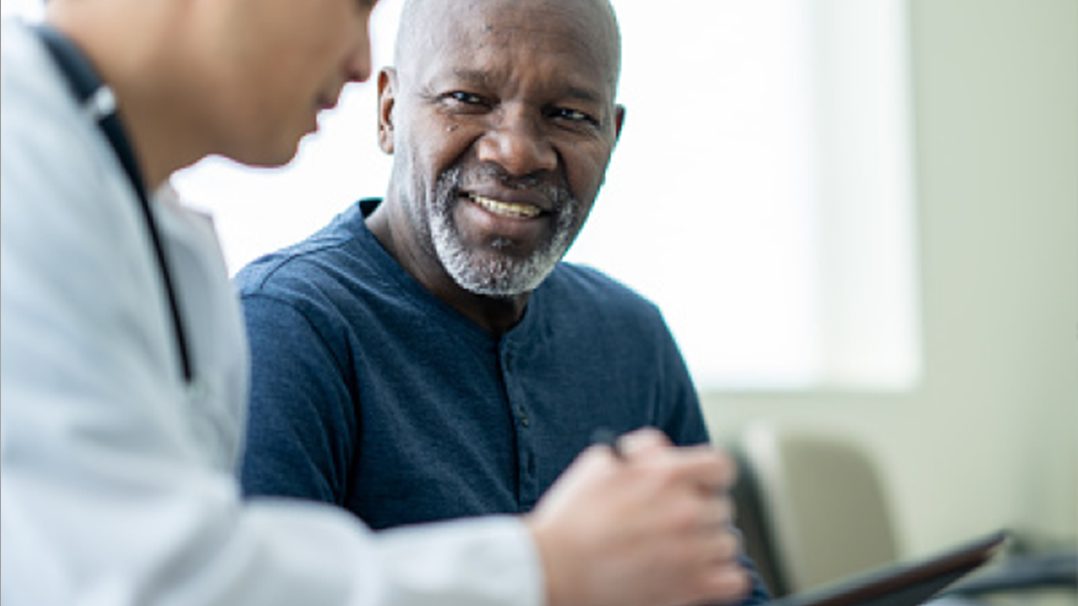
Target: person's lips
x=508, y=216
x=326, y=101
x=505, y=208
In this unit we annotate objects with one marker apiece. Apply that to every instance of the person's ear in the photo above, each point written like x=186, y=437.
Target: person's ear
x=619, y=120
x=387, y=90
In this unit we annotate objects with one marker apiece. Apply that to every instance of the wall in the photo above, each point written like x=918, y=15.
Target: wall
x=989, y=438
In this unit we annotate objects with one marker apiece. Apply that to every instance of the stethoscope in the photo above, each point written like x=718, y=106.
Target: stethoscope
x=98, y=101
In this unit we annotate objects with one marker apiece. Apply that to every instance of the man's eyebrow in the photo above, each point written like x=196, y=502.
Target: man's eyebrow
x=484, y=79
x=473, y=76
x=581, y=93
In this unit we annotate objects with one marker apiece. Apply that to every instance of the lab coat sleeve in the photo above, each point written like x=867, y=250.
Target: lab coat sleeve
x=105, y=497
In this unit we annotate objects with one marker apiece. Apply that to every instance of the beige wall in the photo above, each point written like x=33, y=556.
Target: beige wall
x=990, y=437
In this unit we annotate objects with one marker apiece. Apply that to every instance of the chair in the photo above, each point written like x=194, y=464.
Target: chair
x=812, y=507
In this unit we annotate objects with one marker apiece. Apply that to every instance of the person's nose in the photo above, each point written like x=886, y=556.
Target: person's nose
x=516, y=143
x=358, y=63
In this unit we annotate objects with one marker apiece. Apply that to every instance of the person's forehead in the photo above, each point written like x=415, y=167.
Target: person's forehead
x=576, y=32
x=514, y=35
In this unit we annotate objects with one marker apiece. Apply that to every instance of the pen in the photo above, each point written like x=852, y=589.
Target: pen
x=607, y=437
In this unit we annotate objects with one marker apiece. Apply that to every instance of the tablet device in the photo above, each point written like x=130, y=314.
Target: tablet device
x=906, y=584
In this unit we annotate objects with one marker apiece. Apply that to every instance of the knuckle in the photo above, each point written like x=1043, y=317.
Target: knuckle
x=666, y=477
x=731, y=471
x=643, y=440
x=725, y=509
x=729, y=582
x=685, y=516
x=730, y=512
x=729, y=546
x=726, y=469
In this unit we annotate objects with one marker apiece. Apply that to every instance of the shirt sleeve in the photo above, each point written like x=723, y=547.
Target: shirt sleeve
x=105, y=495
x=104, y=498
x=679, y=412
x=302, y=426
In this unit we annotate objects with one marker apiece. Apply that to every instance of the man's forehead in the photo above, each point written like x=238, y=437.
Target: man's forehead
x=584, y=29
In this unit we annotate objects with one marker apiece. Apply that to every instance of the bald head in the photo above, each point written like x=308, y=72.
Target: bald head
x=426, y=27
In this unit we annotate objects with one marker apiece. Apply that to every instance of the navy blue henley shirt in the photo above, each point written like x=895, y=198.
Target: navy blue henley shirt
x=369, y=392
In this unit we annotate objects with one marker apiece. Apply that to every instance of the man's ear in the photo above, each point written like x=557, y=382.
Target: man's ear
x=619, y=120
x=387, y=90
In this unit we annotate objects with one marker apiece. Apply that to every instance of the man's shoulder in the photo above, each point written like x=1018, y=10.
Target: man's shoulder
x=306, y=266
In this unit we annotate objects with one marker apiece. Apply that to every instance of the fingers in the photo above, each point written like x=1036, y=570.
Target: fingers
x=643, y=442
x=636, y=444
x=718, y=514
x=720, y=546
x=651, y=448
x=703, y=464
x=722, y=576
x=709, y=470
x=728, y=583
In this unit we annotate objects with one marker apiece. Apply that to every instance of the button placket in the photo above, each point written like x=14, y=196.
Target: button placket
x=520, y=411
x=527, y=488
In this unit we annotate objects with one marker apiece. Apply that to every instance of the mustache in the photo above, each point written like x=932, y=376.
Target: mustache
x=457, y=178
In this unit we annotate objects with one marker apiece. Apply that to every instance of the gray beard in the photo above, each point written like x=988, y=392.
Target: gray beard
x=500, y=275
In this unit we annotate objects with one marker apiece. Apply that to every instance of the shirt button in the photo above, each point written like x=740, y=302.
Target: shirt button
x=524, y=420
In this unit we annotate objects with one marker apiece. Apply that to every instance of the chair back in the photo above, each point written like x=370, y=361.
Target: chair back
x=812, y=506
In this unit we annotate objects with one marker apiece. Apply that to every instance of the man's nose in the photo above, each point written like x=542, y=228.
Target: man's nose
x=516, y=142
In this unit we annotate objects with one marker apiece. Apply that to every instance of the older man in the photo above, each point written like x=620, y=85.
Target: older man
x=427, y=356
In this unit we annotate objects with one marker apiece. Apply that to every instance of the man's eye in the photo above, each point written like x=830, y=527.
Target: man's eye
x=573, y=115
x=465, y=97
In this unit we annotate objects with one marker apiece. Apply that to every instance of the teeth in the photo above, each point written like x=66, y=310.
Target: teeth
x=507, y=209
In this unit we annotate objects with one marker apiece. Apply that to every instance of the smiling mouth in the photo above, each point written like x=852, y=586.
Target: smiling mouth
x=514, y=210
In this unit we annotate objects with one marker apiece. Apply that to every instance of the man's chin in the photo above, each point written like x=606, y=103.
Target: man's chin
x=492, y=265
x=497, y=276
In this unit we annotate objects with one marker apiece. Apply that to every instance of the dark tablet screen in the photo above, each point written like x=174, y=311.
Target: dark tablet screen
x=903, y=584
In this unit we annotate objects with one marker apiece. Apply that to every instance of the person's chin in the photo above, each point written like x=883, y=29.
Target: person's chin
x=278, y=152
x=270, y=158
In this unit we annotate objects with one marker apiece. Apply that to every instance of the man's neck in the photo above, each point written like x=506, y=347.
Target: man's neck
x=130, y=59
x=390, y=227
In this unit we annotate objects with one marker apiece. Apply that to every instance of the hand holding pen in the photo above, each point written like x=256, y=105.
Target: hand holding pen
x=656, y=518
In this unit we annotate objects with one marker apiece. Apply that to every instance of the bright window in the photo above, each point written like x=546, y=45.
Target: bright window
x=761, y=192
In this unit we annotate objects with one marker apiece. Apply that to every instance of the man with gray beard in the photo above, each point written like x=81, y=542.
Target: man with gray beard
x=428, y=356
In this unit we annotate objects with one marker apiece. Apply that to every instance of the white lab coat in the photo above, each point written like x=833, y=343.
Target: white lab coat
x=116, y=479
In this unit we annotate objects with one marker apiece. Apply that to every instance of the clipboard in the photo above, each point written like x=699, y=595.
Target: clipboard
x=906, y=584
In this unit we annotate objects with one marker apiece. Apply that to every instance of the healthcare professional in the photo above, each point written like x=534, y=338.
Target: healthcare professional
x=123, y=370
